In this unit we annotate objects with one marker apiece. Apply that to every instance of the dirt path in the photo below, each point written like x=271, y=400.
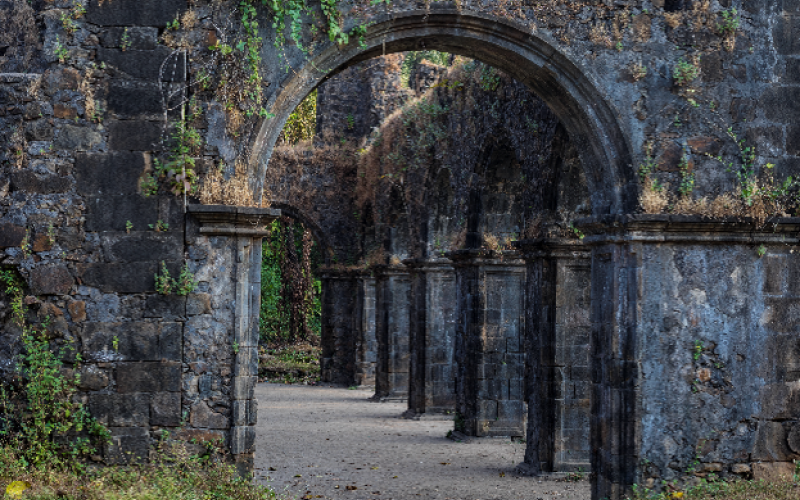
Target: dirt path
x=320, y=440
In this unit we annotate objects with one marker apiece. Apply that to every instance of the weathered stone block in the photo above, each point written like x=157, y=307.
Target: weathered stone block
x=146, y=64
x=245, y=412
x=108, y=173
x=167, y=307
x=787, y=35
x=134, y=341
x=76, y=138
x=112, y=213
x=52, y=279
x=165, y=409
x=135, y=38
x=92, y=379
x=243, y=388
x=11, y=235
x=771, y=444
x=133, y=101
x=204, y=417
x=134, y=135
x=149, y=377
x=773, y=471
x=243, y=440
x=120, y=410
x=793, y=139
x=246, y=362
x=27, y=181
x=198, y=303
x=782, y=103
x=143, y=246
x=134, y=12
x=40, y=130
x=127, y=445
x=134, y=277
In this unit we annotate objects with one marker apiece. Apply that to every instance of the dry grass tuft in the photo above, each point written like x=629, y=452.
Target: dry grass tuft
x=654, y=200
x=216, y=190
x=673, y=19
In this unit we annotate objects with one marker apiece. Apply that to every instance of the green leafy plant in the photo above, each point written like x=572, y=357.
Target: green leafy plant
x=685, y=72
x=177, y=172
x=687, y=177
x=159, y=227
x=164, y=282
x=761, y=251
x=698, y=349
x=60, y=51
x=730, y=22
x=40, y=419
x=125, y=40
x=128, y=226
x=185, y=284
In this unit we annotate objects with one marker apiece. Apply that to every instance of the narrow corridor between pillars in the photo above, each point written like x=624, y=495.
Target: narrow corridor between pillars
x=330, y=442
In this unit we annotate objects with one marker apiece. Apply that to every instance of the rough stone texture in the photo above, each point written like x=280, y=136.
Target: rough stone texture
x=391, y=328
x=490, y=389
x=339, y=302
x=367, y=342
x=433, y=338
x=70, y=175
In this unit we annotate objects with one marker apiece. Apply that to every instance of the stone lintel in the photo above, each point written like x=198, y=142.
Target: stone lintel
x=343, y=273
x=230, y=220
x=387, y=270
x=485, y=258
x=662, y=228
x=560, y=248
x=429, y=265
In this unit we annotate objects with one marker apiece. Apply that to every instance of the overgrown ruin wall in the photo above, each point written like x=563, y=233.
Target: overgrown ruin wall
x=80, y=129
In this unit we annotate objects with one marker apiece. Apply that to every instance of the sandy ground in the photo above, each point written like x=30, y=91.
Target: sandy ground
x=315, y=442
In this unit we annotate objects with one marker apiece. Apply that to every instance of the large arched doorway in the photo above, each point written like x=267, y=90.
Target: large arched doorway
x=588, y=118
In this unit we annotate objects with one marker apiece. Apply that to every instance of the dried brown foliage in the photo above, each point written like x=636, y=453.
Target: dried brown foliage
x=216, y=190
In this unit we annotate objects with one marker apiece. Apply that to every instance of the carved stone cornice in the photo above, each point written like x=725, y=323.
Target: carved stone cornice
x=662, y=228
x=230, y=220
x=483, y=257
x=559, y=248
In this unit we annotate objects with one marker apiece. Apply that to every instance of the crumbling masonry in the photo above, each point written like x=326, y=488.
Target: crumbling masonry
x=598, y=336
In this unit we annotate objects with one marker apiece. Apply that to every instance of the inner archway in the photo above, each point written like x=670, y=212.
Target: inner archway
x=588, y=118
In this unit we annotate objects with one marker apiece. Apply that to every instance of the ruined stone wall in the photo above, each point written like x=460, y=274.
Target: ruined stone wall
x=83, y=126
x=719, y=360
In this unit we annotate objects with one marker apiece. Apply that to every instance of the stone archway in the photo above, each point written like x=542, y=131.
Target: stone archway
x=530, y=59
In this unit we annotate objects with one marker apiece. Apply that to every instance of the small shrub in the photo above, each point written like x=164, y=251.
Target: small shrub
x=685, y=72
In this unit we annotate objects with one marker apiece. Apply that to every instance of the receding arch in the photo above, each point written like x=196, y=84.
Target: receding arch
x=530, y=58
x=319, y=234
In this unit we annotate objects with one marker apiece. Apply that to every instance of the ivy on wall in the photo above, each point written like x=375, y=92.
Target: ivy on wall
x=290, y=290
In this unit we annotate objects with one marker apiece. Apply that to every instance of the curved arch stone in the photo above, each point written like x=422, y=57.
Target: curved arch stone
x=561, y=83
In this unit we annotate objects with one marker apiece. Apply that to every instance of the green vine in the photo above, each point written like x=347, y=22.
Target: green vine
x=38, y=408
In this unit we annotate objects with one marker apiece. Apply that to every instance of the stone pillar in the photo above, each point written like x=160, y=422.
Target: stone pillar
x=340, y=290
x=432, y=330
x=391, y=326
x=489, y=352
x=366, y=341
x=245, y=228
x=695, y=350
x=557, y=337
